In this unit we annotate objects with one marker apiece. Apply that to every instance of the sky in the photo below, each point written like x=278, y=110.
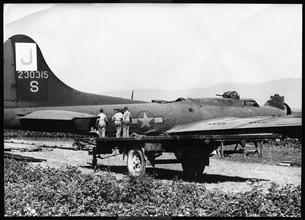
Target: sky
x=107, y=47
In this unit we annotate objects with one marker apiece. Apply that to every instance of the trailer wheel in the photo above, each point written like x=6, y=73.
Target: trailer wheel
x=193, y=167
x=136, y=163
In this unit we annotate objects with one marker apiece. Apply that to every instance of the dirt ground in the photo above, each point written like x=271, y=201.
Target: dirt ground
x=220, y=174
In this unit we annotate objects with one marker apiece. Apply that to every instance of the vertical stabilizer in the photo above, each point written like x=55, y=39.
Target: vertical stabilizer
x=29, y=82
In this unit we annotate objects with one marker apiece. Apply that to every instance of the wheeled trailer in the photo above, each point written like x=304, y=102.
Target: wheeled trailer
x=192, y=151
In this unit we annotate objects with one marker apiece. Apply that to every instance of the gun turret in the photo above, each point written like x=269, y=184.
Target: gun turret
x=230, y=95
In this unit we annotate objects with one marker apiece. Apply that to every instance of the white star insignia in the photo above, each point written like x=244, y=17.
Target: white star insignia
x=145, y=121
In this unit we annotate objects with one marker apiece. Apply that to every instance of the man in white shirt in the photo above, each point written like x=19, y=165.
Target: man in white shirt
x=101, y=122
x=117, y=119
x=127, y=117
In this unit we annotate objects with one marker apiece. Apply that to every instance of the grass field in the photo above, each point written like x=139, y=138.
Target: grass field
x=37, y=191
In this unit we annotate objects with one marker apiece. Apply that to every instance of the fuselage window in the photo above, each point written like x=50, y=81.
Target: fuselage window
x=251, y=103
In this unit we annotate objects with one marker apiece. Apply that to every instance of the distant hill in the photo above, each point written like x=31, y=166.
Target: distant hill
x=290, y=88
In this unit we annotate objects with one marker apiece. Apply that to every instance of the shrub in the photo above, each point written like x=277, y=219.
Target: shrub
x=37, y=191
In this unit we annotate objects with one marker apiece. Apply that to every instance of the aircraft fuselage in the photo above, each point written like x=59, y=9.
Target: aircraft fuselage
x=156, y=118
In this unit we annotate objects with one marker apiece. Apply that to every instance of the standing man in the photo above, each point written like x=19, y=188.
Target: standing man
x=117, y=119
x=101, y=122
x=127, y=118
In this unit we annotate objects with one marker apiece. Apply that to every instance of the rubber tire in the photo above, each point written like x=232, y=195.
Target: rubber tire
x=132, y=153
x=193, y=167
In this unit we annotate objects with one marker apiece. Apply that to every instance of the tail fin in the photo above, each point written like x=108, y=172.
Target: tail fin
x=28, y=81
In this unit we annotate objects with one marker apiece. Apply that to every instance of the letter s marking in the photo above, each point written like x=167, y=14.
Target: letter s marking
x=34, y=86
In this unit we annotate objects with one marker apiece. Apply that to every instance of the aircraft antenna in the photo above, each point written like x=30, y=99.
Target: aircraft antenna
x=132, y=94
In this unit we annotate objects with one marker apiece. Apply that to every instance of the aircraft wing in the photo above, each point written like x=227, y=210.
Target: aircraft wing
x=286, y=125
x=58, y=120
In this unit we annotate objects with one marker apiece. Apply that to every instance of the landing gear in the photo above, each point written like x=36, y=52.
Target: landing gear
x=193, y=167
x=136, y=163
x=193, y=160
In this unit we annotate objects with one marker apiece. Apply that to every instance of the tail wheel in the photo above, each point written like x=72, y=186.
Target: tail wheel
x=136, y=163
x=193, y=167
x=76, y=146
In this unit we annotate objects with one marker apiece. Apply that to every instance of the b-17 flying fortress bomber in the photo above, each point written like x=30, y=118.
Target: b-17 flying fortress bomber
x=35, y=99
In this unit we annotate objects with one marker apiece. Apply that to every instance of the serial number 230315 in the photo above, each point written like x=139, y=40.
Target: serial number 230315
x=33, y=75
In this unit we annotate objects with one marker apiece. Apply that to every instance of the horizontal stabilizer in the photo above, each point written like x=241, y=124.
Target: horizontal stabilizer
x=56, y=115
x=58, y=120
